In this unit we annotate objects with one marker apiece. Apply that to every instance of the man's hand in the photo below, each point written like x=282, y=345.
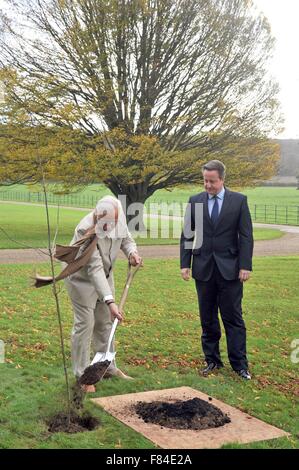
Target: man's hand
x=186, y=274
x=244, y=275
x=115, y=312
x=135, y=259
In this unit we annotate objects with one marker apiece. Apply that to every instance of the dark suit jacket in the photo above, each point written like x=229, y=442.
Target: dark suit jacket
x=229, y=244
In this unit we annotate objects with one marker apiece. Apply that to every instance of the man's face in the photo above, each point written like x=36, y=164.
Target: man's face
x=108, y=222
x=107, y=218
x=212, y=182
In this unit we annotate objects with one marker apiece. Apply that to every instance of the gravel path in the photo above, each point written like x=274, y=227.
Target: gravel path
x=284, y=246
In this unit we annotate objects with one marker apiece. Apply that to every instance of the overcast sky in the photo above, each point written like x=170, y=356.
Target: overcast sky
x=283, y=16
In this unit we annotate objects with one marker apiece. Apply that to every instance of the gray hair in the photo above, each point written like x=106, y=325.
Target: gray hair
x=216, y=165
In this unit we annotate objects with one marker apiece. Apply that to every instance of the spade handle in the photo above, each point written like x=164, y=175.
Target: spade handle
x=131, y=273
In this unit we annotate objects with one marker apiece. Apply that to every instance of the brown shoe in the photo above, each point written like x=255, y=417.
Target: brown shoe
x=88, y=388
x=116, y=373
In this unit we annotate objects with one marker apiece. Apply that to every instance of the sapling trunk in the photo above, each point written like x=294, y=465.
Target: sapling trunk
x=55, y=294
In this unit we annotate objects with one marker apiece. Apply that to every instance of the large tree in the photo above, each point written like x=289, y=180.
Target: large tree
x=138, y=93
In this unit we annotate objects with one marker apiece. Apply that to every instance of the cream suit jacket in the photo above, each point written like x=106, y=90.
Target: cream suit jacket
x=95, y=280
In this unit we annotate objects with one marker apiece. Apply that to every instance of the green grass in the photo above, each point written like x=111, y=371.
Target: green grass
x=158, y=344
x=27, y=226
x=260, y=195
x=284, y=196
x=272, y=205
x=267, y=195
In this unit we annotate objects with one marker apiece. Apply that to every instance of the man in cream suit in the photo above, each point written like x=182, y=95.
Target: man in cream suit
x=91, y=289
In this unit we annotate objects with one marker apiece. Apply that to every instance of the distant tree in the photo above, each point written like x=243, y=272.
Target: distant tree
x=289, y=153
x=137, y=93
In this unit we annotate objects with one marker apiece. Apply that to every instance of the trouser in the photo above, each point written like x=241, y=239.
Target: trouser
x=91, y=325
x=216, y=293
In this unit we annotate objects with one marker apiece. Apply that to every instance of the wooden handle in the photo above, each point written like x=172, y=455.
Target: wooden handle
x=131, y=273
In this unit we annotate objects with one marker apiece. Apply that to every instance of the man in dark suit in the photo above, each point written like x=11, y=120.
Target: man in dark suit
x=219, y=266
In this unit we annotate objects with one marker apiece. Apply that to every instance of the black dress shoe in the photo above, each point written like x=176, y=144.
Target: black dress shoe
x=210, y=367
x=244, y=374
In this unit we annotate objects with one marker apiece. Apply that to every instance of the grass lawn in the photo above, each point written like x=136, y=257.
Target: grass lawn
x=260, y=195
x=27, y=225
x=267, y=204
x=284, y=196
x=158, y=344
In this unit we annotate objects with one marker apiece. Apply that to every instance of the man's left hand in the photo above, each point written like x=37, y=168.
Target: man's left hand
x=244, y=275
x=135, y=259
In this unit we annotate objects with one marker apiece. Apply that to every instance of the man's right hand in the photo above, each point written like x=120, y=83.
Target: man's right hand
x=186, y=274
x=115, y=312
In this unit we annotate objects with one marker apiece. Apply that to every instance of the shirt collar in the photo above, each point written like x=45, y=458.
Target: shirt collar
x=220, y=195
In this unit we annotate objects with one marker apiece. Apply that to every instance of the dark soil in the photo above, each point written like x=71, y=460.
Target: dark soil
x=79, y=422
x=60, y=423
x=93, y=374
x=189, y=414
x=77, y=396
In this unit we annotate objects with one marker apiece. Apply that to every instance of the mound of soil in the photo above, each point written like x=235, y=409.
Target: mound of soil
x=190, y=414
x=92, y=374
x=60, y=423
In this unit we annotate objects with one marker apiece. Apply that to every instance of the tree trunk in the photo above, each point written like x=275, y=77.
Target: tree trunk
x=134, y=215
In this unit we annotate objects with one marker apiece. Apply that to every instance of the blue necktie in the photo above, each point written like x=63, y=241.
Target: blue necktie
x=215, y=210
